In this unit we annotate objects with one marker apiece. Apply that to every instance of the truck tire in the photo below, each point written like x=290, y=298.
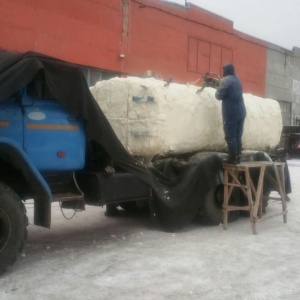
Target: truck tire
x=211, y=212
x=13, y=223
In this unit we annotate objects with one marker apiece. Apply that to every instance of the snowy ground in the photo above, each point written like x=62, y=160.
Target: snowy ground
x=95, y=257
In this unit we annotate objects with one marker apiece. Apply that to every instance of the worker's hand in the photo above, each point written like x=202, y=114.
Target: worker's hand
x=216, y=82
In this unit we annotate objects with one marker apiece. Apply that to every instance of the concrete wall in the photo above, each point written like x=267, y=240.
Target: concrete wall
x=85, y=32
x=283, y=81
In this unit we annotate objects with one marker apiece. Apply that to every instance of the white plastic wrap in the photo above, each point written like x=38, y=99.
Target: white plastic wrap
x=150, y=118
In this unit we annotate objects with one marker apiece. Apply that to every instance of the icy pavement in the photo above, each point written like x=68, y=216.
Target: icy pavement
x=95, y=257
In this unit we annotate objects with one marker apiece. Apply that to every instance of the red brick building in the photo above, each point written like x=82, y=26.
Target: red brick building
x=133, y=36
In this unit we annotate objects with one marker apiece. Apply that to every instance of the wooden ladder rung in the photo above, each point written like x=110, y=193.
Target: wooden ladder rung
x=237, y=185
x=232, y=207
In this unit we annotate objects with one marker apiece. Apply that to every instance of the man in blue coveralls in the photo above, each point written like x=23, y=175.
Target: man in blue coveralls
x=230, y=91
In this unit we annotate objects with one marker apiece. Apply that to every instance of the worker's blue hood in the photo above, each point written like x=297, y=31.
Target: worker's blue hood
x=228, y=70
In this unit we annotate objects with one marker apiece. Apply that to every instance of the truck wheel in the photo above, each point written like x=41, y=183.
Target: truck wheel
x=211, y=212
x=13, y=223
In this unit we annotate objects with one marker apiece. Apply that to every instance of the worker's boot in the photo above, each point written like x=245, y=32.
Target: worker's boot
x=239, y=151
x=233, y=157
x=232, y=160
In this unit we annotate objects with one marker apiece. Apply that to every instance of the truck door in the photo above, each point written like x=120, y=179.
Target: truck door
x=53, y=139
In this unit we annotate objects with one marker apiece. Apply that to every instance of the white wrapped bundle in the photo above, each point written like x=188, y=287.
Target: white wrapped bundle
x=150, y=118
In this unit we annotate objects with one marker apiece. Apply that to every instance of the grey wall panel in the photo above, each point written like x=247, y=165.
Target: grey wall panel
x=283, y=81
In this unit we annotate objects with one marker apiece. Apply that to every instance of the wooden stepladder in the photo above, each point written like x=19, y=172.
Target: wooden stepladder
x=239, y=176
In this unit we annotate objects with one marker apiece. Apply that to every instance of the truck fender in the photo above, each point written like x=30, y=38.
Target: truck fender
x=11, y=152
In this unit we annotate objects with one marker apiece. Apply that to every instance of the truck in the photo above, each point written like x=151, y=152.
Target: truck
x=57, y=145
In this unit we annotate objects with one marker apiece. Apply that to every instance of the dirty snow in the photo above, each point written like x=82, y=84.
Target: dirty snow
x=95, y=257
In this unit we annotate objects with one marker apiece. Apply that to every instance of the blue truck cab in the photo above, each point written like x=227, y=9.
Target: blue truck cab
x=47, y=157
x=53, y=139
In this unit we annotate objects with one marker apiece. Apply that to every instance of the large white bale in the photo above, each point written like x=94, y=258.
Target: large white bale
x=150, y=118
